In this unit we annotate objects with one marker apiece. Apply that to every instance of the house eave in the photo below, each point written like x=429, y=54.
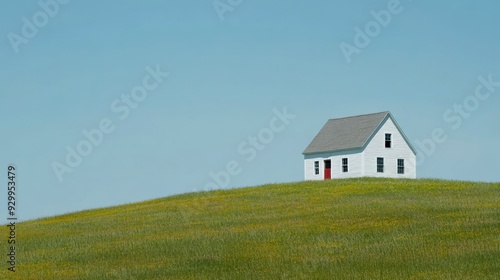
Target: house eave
x=333, y=151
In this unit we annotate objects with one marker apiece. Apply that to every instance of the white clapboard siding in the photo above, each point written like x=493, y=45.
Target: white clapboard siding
x=399, y=150
x=355, y=165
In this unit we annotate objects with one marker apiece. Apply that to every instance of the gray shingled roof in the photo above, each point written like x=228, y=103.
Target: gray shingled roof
x=345, y=133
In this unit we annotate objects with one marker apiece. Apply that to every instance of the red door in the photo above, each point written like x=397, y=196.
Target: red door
x=328, y=169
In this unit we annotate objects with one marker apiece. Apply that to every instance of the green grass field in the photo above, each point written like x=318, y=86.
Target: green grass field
x=342, y=229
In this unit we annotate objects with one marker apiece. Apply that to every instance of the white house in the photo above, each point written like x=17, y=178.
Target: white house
x=367, y=145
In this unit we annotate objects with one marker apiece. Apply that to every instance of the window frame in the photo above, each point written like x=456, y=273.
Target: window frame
x=401, y=166
x=388, y=140
x=380, y=165
x=316, y=167
x=345, y=165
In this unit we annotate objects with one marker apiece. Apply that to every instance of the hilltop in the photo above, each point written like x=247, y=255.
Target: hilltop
x=341, y=229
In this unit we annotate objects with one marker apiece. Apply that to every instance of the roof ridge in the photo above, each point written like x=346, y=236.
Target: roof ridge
x=386, y=112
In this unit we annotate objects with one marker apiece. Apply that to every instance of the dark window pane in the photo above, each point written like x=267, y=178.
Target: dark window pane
x=344, y=165
x=380, y=165
x=401, y=166
x=387, y=140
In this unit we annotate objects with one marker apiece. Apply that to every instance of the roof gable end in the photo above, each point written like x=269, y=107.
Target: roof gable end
x=389, y=115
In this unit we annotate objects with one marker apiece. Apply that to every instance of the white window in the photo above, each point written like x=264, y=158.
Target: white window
x=380, y=165
x=316, y=167
x=388, y=140
x=344, y=165
x=401, y=166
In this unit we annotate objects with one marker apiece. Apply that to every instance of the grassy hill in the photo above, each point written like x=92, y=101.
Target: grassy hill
x=342, y=229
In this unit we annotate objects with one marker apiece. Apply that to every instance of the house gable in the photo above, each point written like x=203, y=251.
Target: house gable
x=389, y=116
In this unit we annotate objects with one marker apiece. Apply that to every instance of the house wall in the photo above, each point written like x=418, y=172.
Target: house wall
x=399, y=150
x=355, y=164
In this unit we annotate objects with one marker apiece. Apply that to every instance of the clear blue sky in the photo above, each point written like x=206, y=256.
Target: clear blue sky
x=226, y=77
